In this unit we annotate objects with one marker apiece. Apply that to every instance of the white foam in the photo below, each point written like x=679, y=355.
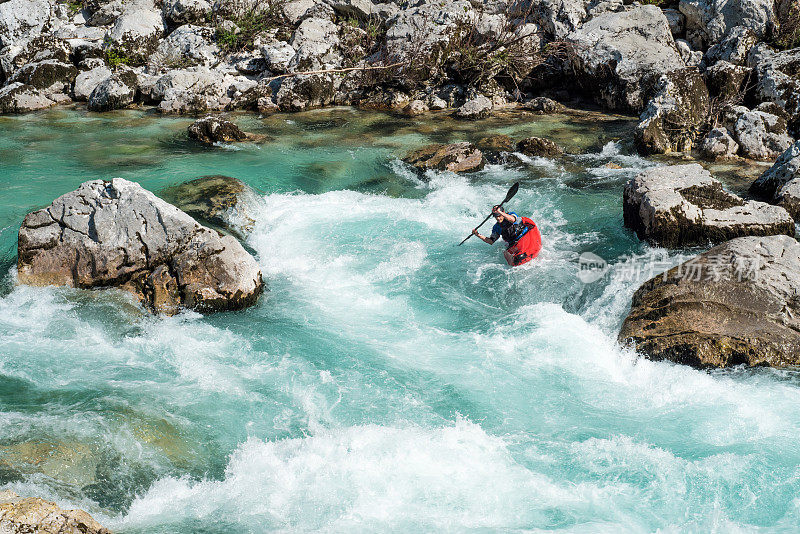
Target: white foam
x=372, y=477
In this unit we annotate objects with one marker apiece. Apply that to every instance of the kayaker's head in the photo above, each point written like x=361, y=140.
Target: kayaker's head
x=497, y=213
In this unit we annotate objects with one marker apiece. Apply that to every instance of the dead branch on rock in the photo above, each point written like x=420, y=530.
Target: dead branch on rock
x=335, y=71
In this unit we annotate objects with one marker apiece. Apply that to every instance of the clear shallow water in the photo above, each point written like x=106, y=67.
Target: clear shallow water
x=389, y=380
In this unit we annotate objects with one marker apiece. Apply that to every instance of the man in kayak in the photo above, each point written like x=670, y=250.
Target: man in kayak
x=512, y=228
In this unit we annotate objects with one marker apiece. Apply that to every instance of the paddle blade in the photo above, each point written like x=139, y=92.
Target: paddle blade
x=509, y=196
x=511, y=192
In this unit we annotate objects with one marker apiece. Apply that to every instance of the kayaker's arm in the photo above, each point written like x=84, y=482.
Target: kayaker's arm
x=485, y=239
x=506, y=216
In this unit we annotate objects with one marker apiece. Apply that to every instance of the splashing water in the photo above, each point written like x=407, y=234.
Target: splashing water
x=388, y=380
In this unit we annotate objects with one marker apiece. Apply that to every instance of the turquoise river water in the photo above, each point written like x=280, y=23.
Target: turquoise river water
x=388, y=380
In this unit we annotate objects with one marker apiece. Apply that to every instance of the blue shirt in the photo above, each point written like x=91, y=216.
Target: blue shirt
x=497, y=229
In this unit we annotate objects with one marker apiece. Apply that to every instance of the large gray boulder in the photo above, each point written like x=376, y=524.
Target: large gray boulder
x=476, y=108
x=735, y=304
x=34, y=515
x=187, y=45
x=307, y=91
x=50, y=76
x=25, y=52
x=672, y=119
x=360, y=9
x=707, y=21
x=683, y=205
x=316, y=43
x=115, y=92
x=23, y=18
x=104, y=12
x=295, y=10
x=618, y=56
x=719, y=145
x=560, y=17
x=761, y=135
x=727, y=82
x=425, y=28
x=734, y=47
x=278, y=54
x=17, y=97
x=186, y=11
x=778, y=79
x=137, y=30
x=193, y=90
x=87, y=81
x=781, y=183
x=677, y=21
x=115, y=233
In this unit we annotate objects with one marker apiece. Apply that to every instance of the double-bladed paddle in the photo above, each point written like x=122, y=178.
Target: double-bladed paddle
x=509, y=196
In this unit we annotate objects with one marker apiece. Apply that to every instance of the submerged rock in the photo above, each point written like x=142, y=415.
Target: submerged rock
x=539, y=147
x=781, y=183
x=683, y=205
x=496, y=148
x=735, y=304
x=415, y=108
x=23, y=515
x=221, y=201
x=213, y=129
x=456, y=157
x=115, y=233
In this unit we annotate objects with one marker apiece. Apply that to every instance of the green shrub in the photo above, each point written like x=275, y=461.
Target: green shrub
x=788, y=32
x=250, y=21
x=116, y=56
x=74, y=6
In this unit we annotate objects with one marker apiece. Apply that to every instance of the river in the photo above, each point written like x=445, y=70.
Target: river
x=388, y=380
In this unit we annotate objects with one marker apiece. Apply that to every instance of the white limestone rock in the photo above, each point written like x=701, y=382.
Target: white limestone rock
x=683, y=205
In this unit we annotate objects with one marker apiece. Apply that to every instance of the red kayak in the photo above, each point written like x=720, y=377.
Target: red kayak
x=527, y=247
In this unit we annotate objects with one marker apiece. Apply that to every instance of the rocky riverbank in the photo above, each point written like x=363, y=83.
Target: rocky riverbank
x=721, y=76
x=20, y=515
